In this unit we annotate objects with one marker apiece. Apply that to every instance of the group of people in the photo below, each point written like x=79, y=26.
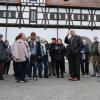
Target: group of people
x=34, y=58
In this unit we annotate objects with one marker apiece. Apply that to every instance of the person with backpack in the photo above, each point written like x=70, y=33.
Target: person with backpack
x=95, y=55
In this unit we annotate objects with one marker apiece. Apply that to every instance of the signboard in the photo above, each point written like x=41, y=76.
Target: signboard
x=10, y=1
x=74, y=3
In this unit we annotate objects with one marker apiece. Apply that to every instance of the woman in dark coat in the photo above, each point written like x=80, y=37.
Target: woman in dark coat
x=59, y=53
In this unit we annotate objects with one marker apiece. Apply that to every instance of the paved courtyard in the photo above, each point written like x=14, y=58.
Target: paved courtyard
x=50, y=89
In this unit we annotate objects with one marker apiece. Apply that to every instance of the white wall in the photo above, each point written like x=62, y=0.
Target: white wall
x=48, y=33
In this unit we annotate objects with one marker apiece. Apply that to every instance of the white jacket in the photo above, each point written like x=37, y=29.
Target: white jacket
x=20, y=51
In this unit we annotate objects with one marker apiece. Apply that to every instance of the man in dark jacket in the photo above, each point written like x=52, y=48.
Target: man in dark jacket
x=75, y=43
x=53, y=62
x=2, y=56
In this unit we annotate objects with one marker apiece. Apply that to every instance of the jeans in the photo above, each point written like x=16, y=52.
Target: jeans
x=32, y=68
x=45, y=62
x=52, y=67
x=40, y=68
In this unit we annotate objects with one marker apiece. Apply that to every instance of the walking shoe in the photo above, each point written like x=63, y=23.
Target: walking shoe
x=18, y=81
x=93, y=75
x=75, y=79
x=62, y=76
x=21, y=81
x=13, y=74
x=54, y=74
x=40, y=76
x=87, y=73
x=49, y=74
x=46, y=76
x=83, y=74
x=35, y=78
x=58, y=76
x=70, y=78
x=29, y=78
x=1, y=77
x=25, y=80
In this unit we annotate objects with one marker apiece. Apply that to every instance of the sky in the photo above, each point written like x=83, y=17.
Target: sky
x=47, y=34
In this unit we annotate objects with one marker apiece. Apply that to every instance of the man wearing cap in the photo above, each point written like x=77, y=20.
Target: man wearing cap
x=2, y=56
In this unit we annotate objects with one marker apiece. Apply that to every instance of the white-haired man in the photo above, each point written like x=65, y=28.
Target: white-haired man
x=75, y=43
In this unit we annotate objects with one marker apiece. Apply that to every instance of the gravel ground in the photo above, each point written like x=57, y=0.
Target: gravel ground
x=88, y=88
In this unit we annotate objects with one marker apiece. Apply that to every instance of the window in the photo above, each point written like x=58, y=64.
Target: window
x=33, y=16
x=1, y=14
x=11, y=14
x=98, y=18
x=77, y=17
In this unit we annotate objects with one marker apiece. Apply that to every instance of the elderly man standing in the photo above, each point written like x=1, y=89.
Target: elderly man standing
x=75, y=43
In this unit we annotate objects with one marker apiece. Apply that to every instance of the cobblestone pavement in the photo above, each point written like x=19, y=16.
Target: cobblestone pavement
x=50, y=89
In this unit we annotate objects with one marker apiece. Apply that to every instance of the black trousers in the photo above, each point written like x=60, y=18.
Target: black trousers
x=59, y=65
x=21, y=70
x=15, y=69
x=7, y=66
x=85, y=67
x=75, y=65
x=53, y=66
x=1, y=67
x=69, y=64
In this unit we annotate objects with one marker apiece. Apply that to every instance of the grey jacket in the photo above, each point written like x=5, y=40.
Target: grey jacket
x=74, y=45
